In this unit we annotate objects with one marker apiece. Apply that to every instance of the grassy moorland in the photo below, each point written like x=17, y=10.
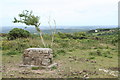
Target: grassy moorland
x=80, y=54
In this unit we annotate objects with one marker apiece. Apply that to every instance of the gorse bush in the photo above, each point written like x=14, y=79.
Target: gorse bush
x=76, y=35
x=79, y=35
x=18, y=33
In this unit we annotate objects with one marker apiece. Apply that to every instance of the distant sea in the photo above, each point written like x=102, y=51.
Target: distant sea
x=65, y=29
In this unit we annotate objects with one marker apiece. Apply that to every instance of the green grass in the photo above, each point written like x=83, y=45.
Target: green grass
x=75, y=57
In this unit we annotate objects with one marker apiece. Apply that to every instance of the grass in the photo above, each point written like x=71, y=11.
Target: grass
x=12, y=53
x=79, y=63
x=68, y=64
x=75, y=57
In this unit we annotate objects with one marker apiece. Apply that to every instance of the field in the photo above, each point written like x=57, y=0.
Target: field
x=79, y=55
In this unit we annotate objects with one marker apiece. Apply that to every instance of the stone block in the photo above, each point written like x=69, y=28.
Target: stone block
x=37, y=56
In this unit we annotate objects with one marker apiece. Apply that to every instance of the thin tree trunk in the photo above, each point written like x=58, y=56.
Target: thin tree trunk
x=53, y=33
x=42, y=39
x=52, y=39
x=40, y=32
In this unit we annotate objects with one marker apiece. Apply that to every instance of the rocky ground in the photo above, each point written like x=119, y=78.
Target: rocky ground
x=75, y=65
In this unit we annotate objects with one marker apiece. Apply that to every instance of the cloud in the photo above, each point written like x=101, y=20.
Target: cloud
x=66, y=12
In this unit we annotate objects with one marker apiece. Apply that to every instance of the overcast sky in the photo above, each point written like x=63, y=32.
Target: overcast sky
x=65, y=12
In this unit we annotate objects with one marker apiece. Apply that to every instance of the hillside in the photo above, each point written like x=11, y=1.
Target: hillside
x=79, y=55
x=65, y=29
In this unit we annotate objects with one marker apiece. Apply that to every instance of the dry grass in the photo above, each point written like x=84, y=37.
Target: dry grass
x=73, y=64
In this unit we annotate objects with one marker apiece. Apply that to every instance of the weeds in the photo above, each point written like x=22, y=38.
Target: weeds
x=35, y=68
x=101, y=53
x=12, y=53
x=53, y=68
x=92, y=57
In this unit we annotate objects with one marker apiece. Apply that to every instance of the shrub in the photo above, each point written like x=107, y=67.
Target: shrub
x=92, y=57
x=76, y=35
x=64, y=35
x=107, y=54
x=53, y=68
x=62, y=51
x=3, y=34
x=13, y=45
x=91, y=53
x=99, y=53
x=96, y=53
x=110, y=57
x=35, y=68
x=6, y=45
x=71, y=50
x=18, y=33
x=58, y=52
x=103, y=53
x=79, y=35
x=64, y=45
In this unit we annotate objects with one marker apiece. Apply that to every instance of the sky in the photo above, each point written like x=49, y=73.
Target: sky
x=64, y=12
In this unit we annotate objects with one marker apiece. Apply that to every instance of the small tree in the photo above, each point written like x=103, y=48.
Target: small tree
x=54, y=30
x=28, y=18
